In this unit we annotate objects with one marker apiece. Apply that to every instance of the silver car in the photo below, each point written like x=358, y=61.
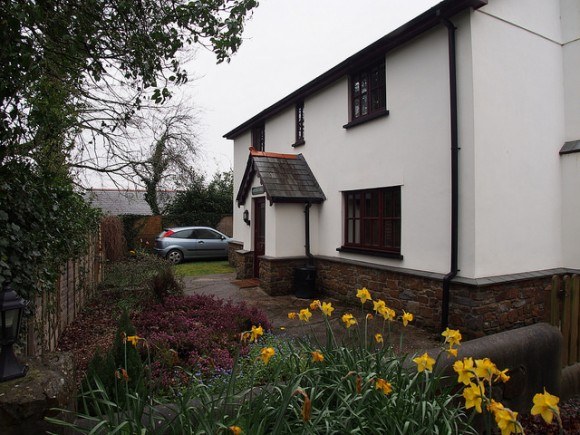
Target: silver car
x=185, y=243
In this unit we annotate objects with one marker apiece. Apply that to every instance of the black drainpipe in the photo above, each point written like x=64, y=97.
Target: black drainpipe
x=307, y=235
x=454, y=174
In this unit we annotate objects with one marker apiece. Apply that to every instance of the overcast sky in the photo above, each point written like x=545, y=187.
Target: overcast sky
x=286, y=44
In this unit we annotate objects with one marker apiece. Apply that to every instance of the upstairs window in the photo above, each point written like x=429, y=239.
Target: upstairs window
x=299, y=124
x=259, y=138
x=373, y=220
x=368, y=98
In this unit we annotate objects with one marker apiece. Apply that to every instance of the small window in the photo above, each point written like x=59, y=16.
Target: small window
x=373, y=220
x=259, y=138
x=368, y=98
x=299, y=124
x=183, y=234
x=203, y=233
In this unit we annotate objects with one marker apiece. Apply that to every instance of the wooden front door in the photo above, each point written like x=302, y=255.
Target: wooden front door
x=259, y=233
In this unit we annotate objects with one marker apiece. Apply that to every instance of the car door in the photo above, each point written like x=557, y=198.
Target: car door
x=209, y=243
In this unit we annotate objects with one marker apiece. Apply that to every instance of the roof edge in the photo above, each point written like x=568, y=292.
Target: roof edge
x=418, y=25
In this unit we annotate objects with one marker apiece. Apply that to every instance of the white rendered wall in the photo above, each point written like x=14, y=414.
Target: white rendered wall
x=519, y=129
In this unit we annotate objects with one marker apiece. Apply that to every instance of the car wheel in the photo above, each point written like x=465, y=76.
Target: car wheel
x=174, y=256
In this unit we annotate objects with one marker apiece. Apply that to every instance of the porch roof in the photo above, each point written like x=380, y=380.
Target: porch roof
x=286, y=178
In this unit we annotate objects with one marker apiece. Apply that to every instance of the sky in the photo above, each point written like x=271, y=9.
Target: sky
x=286, y=44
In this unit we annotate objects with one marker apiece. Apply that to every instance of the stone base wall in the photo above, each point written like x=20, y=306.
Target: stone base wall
x=277, y=275
x=476, y=308
x=242, y=261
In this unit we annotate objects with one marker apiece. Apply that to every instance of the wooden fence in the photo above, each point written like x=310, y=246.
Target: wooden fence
x=564, y=307
x=55, y=310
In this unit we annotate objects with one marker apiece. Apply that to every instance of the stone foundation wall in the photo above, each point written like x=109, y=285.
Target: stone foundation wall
x=241, y=260
x=477, y=308
x=277, y=274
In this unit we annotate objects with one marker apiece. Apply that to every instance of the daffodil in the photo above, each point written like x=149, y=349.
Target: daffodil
x=424, y=362
x=473, y=397
x=494, y=406
x=501, y=375
x=133, y=339
x=464, y=369
x=292, y=315
x=507, y=421
x=236, y=430
x=485, y=369
x=256, y=332
x=546, y=405
x=266, y=354
x=364, y=295
x=326, y=309
x=389, y=314
x=407, y=317
x=384, y=386
x=348, y=320
x=379, y=306
x=317, y=356
x=452, y=336
x=379, y=337
x=314, y=305
x=305, y=315
x=451, y=351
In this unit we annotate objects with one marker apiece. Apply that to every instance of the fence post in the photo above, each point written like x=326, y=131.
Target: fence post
x=574, y=356
x=554, y=302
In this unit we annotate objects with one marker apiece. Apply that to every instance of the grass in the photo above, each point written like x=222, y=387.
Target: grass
x=198, y=268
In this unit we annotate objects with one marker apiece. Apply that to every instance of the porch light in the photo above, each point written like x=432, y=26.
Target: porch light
x=11, y=309
x=246, y=217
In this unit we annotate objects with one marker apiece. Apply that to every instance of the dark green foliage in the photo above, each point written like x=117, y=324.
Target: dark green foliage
x=120, y=370
x=201, y=204
x=132, y=225
x=43, y=222
x=165, y=284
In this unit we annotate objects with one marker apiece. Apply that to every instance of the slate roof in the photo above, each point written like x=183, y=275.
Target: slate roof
x=121, y=202
x=286, y=178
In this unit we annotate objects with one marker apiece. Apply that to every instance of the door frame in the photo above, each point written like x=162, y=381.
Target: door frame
x=259, y=232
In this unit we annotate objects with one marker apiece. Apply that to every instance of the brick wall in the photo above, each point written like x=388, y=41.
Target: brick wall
x=241, y=260
x=277, y=275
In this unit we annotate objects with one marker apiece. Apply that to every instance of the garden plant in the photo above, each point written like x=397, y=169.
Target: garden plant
x=273, y=384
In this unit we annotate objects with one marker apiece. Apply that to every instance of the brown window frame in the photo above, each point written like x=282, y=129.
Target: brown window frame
x=367, y=94
x=259, y=137
x=375, y=225
x=299, y=118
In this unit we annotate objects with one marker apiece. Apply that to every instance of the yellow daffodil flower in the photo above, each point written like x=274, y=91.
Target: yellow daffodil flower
x=424, y=362
x=256, y=332
x=314, y=305
x=451, y=351
x=379, y=306
x=292, y=315
x=364, y=295
x=501, y=375
x=236, y=430
x=317, y=356
x=407, y=317
x=452, y=336
x=473, y=397
x=133, y=339
x=389, y=314
x=245, y=336
x=384, y=386
x=266, y=354
x=485, y=369
x=465, y=370
x=507, y=421
x=327, y=309
x=494, y=406
x=349, y=320
x=546, y=405
x=379, y=337
x=305, y=315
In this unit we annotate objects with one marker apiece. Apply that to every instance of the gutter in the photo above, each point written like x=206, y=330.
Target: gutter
x=307, y=233
x=454, y=173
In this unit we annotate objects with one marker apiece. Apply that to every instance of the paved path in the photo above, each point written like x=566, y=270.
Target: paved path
x=278, y=307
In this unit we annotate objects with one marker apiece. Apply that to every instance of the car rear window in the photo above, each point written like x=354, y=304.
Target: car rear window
x=182, y=234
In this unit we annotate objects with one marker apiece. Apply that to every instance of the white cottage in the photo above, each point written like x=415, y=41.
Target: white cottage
x=439, y=167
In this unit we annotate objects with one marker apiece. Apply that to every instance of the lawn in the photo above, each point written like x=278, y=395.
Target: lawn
x=198, y=268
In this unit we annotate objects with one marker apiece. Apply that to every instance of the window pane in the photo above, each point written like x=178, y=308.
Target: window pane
x=364, y=104
x=375, y=241
x=364, y=85
x=183, y=234
x=356, y=107
x=356, y=87
x=357, y=205
x=357, y=231
x=350, y=206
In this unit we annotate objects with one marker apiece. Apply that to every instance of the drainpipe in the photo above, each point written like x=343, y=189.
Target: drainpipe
x=454, y=173
x=307, y=235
